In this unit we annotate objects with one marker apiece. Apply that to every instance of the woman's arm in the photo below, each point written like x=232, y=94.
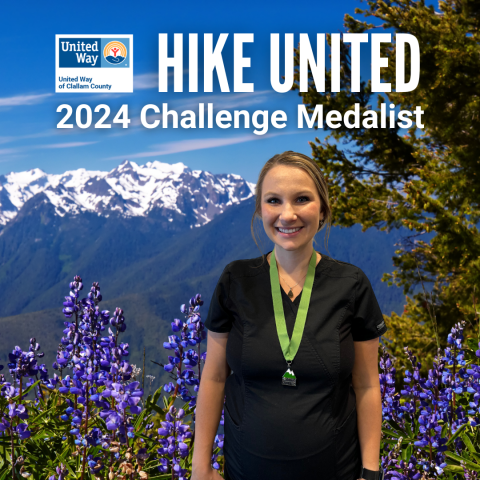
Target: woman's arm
x=366, y=384
x=209, y=405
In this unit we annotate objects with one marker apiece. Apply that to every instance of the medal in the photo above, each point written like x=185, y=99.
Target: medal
x=290, y=347
x=289, y=377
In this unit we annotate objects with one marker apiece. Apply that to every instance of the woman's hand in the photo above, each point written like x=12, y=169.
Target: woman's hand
x=207, y=474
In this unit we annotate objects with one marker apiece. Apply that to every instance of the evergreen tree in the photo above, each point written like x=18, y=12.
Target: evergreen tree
x=426, y=180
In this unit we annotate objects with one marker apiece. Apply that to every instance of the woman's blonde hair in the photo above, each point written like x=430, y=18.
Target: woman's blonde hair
x=298, y=160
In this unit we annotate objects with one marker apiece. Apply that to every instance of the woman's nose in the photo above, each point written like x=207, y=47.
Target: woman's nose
x=288, y=213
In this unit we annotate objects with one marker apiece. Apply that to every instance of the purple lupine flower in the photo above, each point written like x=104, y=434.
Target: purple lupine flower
x=183, y=360
x=177, y=325
x=469, y=474
x=173, y=433
x=99, y=373
x=95, y=464
x=169, y=387
x=217, y=450
x=142, y=456
x=22, y=431
x=430, y=404
x=164, y=465
x=219, y=440
x=62, y=472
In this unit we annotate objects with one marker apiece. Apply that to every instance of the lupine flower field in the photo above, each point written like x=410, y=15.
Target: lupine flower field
x=87, y=416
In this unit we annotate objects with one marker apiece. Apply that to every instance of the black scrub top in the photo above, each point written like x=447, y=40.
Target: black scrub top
x=280, y=432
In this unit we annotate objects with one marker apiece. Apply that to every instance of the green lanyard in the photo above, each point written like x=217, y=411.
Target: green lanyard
x=290, y=347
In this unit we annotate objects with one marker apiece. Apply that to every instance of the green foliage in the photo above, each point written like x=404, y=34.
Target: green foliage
x=50, y=444
x=425, y=180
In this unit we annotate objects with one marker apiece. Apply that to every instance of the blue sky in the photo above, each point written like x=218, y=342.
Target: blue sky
x=28, y=102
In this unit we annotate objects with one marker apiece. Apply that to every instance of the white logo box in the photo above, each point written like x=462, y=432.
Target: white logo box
x=91, y=74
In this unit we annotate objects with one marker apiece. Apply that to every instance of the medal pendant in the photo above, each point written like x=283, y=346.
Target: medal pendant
x=290, y=294
x=289, y=378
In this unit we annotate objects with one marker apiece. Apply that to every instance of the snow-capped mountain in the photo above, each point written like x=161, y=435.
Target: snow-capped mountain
x=172, y=191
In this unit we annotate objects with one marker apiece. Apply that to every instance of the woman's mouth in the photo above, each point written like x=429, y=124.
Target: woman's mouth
x=289, y=231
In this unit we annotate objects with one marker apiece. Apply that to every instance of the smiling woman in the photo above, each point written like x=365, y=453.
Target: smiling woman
x=299, y=369
x=292, y=201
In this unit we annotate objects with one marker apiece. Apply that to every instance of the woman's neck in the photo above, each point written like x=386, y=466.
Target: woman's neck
x=292, y=261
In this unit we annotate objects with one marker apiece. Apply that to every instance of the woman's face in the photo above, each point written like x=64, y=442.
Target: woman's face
x=290, y=207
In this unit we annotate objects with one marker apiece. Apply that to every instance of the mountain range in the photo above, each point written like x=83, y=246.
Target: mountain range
x=152, y=236
x=174, y=193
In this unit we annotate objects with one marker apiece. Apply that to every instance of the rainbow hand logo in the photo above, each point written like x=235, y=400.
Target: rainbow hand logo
x=115, y=52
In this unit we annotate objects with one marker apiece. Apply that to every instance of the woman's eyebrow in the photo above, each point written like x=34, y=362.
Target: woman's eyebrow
x=304, y=192
x=301, y=192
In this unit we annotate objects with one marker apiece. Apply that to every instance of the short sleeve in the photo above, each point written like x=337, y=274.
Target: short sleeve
x=368, y=320
x=219, y=318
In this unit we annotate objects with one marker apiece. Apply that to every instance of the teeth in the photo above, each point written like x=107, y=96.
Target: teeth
x=289, y=230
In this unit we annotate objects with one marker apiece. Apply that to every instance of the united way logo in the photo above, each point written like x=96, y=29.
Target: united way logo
x=115, y=52
x=76, y=51
x=93, y=63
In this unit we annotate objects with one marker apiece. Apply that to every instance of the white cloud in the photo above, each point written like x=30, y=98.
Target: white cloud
x=8, y=151
x=187, y=146
x=65, y=145
x=222, y=101
x=10, y=154
x=23, y=100
x=46, y=133
x=196, y=144
x=145, y=80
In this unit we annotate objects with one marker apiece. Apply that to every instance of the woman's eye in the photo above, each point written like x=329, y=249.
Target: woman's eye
x=302, y=199
x=272, y=200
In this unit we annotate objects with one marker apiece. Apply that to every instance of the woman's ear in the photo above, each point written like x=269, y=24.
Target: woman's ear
x=322, y=221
